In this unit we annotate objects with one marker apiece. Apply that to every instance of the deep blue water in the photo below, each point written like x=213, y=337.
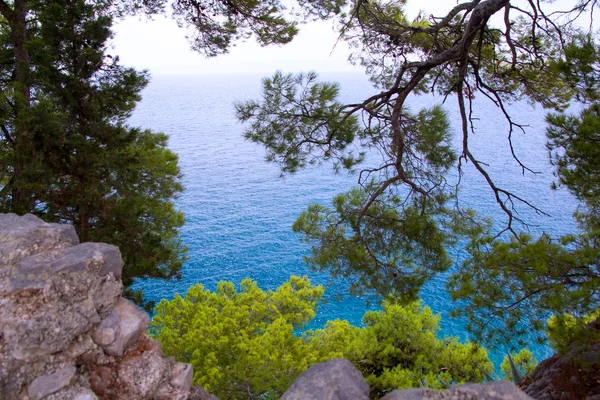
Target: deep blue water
x=239, y=211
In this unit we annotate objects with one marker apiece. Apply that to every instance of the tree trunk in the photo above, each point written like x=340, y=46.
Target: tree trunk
x=17, y=20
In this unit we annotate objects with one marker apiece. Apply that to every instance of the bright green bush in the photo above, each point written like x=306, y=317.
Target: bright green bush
x=243, y=343
x=524, y=361
x=566, y=329
x=398, y=348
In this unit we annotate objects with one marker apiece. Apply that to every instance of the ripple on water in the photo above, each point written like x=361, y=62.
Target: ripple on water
x=239, y=211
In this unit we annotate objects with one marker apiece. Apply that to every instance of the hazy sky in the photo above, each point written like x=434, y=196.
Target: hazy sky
x=161, y=47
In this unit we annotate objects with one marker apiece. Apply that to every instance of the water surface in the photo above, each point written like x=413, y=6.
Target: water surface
x=239, y=210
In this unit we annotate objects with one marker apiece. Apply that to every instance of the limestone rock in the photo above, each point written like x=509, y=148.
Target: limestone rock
x=54, y=297
x=121, y=328
x=75, y=392
x=575, y=375
x=61, y=306
x=47, y=384
x=23, y=236
x=168, y=392
x=406, y=394
x=198, y=393
x=336, y=379
x=182, y=376
x=500, y=390
x=40, y=270
x=141, y=376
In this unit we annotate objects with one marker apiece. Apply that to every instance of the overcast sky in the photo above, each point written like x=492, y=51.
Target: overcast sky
x=161, y=47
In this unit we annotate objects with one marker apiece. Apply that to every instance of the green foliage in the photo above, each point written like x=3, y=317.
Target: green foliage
x=398, y=349
x=387, y=239
x=242, y=343
x=521, y=281
x=516, y=365
x=573, y=144
x=394, y=247
x=217, y=24
x=564, y=330
x=391, y=233
x=70, y=157
x=297, y=118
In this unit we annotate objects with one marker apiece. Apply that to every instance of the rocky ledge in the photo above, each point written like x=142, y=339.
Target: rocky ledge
x=65, y=331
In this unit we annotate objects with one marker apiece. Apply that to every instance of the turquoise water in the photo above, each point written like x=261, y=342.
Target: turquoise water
x=239, y=211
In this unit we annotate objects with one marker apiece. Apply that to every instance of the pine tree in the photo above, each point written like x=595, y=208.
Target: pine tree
x=391, y=233
x=67, y=151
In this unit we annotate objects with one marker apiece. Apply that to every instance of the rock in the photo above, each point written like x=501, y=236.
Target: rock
x=75, y=392
x=23, y=236
x=37, y=271
x=101, y=378
x=60, y=306
x=406, y=394
x=47, y=384
x=48, y=329
x=106, y=333
x=85, y=395
x=198, y=393
x=182, y=376
x=121, y=328
x=167, y=392
x=500, y=390
x=154, y=346
x=336, y=379
x=141, y=376
x=574, y=375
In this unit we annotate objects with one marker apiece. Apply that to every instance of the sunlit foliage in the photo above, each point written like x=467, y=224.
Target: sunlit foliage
x=245, y=343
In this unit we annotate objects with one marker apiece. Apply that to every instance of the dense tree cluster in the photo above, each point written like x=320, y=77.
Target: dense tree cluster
x=66, y=151
x=243, y=343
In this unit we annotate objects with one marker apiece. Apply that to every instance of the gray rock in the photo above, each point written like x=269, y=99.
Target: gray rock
x=100, y=258
x=336, y=379
x=407, y=394
x=572, y=375
x=105, y=294
x=154, y=346
x=47, y=329
x=47, y=384
x=500, y=390
x=125, y=324
x=60, y=306
x=198, y=393
x=141, y=376
x=87, y=395
x=167, y=392
x=23, y=236
x=182, y=376
x=108, y=330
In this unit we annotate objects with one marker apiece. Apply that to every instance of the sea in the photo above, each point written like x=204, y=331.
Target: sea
x=239, y=209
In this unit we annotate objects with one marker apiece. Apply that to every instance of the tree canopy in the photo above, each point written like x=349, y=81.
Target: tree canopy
x=67, y=152
x=242, y=343
x=391, y=233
